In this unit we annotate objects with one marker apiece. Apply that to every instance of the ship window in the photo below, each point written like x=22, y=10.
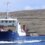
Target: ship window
x=10, y=21
x=13, y=21
x=12, y=24
x=9, y=25
x=6, y=21
x=2, y=21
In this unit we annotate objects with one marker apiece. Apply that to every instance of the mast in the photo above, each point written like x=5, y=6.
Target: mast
x=7, y=10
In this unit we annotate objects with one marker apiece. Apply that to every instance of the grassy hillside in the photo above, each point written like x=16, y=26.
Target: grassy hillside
x=33, y=19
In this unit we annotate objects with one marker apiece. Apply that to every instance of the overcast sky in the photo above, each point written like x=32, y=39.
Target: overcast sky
x=21, y=5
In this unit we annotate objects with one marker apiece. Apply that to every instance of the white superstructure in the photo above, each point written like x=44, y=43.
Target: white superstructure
x=13, y=25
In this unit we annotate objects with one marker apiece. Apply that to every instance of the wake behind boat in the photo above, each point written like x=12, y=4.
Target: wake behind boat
x=20, y=41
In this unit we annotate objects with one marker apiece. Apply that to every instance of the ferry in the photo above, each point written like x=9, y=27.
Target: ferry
x=10, y=28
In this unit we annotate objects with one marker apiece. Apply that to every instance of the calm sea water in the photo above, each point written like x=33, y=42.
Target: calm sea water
x=28, y=38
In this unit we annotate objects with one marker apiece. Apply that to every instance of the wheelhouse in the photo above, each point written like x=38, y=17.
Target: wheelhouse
x=8, y=24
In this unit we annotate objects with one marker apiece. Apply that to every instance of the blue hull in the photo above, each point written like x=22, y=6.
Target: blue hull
x=7, y=36
x=11, y=36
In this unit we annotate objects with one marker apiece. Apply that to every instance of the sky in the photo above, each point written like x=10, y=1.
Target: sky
x=16, y=5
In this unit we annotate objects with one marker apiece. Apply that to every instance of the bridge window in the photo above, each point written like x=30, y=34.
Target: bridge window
x=10, y=21
x=2, y=21
x=13, y=21
x=12, y=24
x=6, y=21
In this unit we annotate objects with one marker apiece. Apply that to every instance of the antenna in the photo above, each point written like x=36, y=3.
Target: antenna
x=7, y=9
